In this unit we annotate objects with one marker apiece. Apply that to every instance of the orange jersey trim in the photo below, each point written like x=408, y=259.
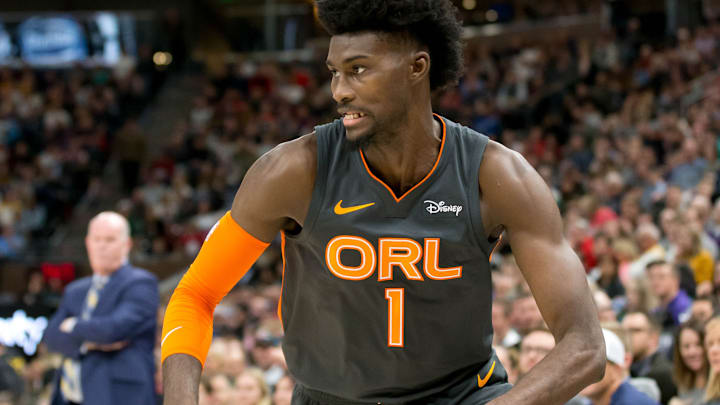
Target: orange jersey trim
x=282, y=278
x=495, y=247
x=437, y=161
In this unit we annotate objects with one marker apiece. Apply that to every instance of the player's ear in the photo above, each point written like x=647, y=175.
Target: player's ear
x=420, y=66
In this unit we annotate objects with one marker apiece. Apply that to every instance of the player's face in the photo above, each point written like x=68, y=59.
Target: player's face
x=370, y=82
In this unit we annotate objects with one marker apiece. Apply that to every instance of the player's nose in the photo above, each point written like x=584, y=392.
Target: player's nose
x=341, y=91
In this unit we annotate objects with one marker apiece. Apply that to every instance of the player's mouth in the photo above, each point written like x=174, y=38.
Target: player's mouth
x=352, y=118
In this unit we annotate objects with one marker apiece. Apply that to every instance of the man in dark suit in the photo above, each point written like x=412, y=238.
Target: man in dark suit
x=106, y=324
x=647, y=358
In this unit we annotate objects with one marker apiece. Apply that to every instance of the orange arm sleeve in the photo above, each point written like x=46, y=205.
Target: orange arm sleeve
x=226, y=255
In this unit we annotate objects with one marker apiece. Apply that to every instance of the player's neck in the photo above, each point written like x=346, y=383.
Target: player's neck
x=405, y=156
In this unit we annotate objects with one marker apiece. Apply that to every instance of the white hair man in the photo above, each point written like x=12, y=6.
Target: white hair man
x=114, y=310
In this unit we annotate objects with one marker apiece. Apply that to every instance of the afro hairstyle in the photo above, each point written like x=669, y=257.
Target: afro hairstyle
x=432, y=23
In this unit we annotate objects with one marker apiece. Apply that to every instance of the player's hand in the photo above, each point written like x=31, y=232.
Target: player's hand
x=106, y=347
x=68, y=324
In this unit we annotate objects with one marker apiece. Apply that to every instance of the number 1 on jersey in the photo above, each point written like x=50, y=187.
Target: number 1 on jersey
x=396, y=316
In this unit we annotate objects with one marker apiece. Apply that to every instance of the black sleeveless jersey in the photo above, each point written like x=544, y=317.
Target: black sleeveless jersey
x=388, y=298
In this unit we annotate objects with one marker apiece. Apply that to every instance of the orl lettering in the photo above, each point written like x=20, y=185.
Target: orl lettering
x=391, y=254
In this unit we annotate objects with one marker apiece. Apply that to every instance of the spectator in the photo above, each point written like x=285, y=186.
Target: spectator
x=665, y=284
x=106, y=324
x=525, y=315
x=606, y=313
x=217, y=389
x=702, y=309
x=614, y=388
x=647, y=359
x=503, y=334
x=250, y=388
x=689, y=252
x=606, y=276
x=712, y=347
x=533, y=348
x=283, y=391
x=130, y=148
x=647, y=237
x=690, y=365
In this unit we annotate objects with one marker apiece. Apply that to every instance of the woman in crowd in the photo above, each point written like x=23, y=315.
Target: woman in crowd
x=712, y=347
x=690, y=365
x=251, y=389
x=691, y=253
x=283, y=391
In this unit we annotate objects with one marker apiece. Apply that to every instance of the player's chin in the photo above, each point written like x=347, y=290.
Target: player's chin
x=358, y=139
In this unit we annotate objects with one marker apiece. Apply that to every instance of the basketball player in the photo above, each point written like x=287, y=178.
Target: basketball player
x=388, y=218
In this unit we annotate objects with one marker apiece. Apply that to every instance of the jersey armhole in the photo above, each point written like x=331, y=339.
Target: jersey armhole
x=478, y=147
x=318, y=194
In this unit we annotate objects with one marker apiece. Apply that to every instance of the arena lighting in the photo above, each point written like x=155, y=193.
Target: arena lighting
x=491, y=15
x=162, y=58
x=469, y=4
x=22, y=331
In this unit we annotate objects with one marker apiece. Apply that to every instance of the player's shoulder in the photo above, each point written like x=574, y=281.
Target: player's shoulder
x=289, y=159
x=501, y=163
x=511, y=189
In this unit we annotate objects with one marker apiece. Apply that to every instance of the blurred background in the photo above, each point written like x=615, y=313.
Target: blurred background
x=157, y=109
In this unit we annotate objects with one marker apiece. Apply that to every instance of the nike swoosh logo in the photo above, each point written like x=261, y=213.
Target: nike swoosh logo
x=340, y=210
x=483, y=381
x=168, y=334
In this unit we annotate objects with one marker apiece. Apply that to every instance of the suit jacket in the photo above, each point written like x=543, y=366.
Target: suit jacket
x=126, y=311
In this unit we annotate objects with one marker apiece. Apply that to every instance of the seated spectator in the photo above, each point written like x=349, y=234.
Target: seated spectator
x=690, y=253
x=605, y=274
x=690, y=365
x=702, y=309
x=216, y=389
x=647, y=360
x=647, y=237
x=250, y=388
x=533, y=348
x=615, y=388
x=525, y=315
x=712, y=348
x=606, y=313
x=675, y=304
x=504, y=335
x=283, y=391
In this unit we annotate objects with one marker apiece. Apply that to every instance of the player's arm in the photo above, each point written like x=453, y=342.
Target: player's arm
x=515, y=198
x=274, y=195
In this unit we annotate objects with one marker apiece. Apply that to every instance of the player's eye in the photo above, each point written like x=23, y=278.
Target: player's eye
x=334, y=73
x=357, y=69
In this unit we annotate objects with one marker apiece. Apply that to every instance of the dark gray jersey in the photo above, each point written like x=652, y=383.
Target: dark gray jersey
x=388, y=298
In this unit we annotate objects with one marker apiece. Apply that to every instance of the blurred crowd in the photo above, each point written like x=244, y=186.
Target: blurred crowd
x=623, y=128
x=57, y=130
x=525, y=10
